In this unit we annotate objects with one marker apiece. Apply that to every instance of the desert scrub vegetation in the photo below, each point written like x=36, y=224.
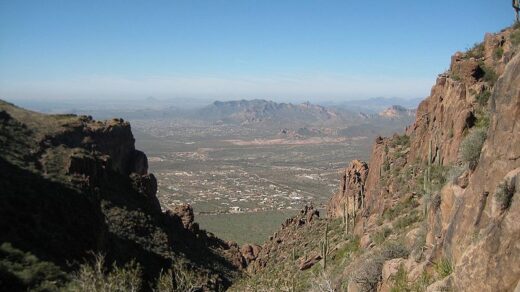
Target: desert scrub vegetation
x=477, y=51
x=23, y=271
x=504, y=195
x=515, y=37
x=406, y=204
x=400, y=140
x=498, y=53
x=483, y=120
x=434, y=178
x=471, y=146
x=369, y=271
x=455, y=172
x=401, y=283
x=400, y=280
x=483, y=97
x=490, y=76
x=177, y=278
x=444, y=267
x=381, y=235
x=408, y=219
x=95, y=277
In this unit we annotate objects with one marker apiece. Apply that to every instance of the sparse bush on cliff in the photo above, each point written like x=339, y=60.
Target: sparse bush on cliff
x=471, y=146
x=504, y=195
x=515, y=37
x=401, y=140
x=498, y=53
x=483, y=97
x=455, y=172
x=400, y=280
x=477, y=51
x=381, y=235
x=368, y=275
x=407, y=220
x=483, y=120
x=490, y=76
x=444, y=267
x=408, y=203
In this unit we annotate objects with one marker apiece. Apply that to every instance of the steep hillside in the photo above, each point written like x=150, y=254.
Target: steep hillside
x=72, y=187
x=435, y=209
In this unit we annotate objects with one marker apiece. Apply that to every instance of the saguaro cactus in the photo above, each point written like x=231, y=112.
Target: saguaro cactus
x=324, y=246
x=345, y=218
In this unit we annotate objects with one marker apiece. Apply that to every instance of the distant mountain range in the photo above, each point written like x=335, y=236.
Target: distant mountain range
x=377, y=116
x=265, y=112
x=377, y=104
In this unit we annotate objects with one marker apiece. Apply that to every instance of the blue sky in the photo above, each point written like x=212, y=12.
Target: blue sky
x=301, y=50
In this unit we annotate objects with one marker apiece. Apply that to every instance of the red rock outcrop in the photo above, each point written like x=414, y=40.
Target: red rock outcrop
x=185, y=213
x=350, y=194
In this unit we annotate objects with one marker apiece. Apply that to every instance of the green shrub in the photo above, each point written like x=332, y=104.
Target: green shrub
x=438, y=174
x=483, y=120
x=455, y=77
x=471, y=146
x=498, y=53
x=515, y=38
x=477, y=51
x=94, y=277
x=408, y=203
x=444, y=268
x=490, y=76
x=386, y=165
x=504, y=195
x=26, y=272
x=368, y=273
x=400, y=280
x=381, y=235
x=407, y=220
x=422, y=282
x=402, y=140
x=420, y=241
x=483, y=97
x=455, y=172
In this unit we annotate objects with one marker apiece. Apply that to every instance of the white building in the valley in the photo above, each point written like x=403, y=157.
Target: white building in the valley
x=235, y=209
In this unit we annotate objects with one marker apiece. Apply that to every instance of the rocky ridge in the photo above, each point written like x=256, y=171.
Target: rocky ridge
x=72, y=186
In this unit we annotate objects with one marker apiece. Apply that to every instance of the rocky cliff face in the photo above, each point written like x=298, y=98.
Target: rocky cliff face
x=470, y=202
x=435, y=209
x=71, y=186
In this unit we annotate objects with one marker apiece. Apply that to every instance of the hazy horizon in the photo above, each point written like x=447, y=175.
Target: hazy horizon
x=227, y=50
